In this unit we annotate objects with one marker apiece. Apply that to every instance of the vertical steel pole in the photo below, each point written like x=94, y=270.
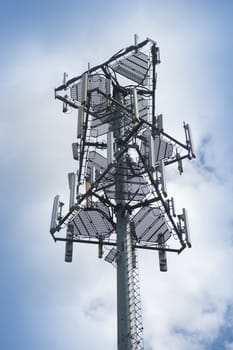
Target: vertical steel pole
x=126, y=318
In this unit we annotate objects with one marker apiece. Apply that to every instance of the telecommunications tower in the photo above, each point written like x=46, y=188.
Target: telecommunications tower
x=118, y=195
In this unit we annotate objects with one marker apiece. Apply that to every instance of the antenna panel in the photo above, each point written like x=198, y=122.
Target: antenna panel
x=111, y=256
x=180, y=163
x=98, y=127
x=162, y=149
x=106, y=118
x=72, y=186
x=69, y=244
x=137, y=189
x=162, y=261
x=96, y=160
x=54, y=217
x=100, y=249
x=93, y=173
x=186, y=228
x=160, y=122
x=133, y=67
x=143, y=108
x=163, y=178
x=75, y=151
x=99, y=89
x=151, y=151
x=173, y=207
x=75, y=92
x=189, y=139
x=142, y=102
x=65, y=76
x=110, y=147
x=149, y=224
x=162, y=255
x=135, y=103
x=93, y=222
x=84, y=88
x=80, y=122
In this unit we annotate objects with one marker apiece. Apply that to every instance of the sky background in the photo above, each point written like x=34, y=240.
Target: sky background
x=47, y=304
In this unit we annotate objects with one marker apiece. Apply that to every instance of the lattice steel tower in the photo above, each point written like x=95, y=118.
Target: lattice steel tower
x=118, y=196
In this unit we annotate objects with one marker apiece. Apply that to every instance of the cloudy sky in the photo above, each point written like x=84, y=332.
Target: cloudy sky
x=47, y=304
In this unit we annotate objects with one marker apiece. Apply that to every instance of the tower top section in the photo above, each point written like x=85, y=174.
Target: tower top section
x=120, y=136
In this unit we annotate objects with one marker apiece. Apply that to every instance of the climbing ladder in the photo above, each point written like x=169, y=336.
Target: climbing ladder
x=135, y=312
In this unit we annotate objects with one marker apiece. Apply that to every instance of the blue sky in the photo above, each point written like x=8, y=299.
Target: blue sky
x=45, y=303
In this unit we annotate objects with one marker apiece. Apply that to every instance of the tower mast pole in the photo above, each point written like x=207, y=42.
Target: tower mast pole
x=126, y=318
